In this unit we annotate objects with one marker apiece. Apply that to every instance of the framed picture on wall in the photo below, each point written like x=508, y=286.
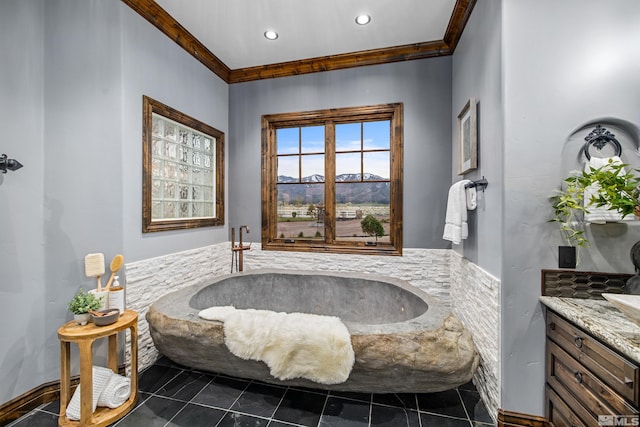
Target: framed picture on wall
x=468, y=138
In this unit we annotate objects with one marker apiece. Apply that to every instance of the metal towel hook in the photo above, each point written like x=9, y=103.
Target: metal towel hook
x=480, y=183
x=9, y=164
x=599, y=137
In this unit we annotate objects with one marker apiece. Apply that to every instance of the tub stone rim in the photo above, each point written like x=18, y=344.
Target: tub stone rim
x=431, y=319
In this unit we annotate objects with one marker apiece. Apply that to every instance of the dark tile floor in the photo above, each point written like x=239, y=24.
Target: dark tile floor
x=174, y=396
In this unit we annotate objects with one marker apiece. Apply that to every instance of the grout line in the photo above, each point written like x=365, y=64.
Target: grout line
x=164, y=384
x=47, y=412
x=238, y=398
x=151, y=394
x=352, y=398
x=176, y=414
x=140, y=403
x=222, y=418
x=404, y=408
x=204, y=405
x=249, y=415
x=286, y=423
x=415, y=397
x=324, y=407
x=190, y=381
x=273, y=414
x=203, y=387
x=443, y=415
x=464, y=406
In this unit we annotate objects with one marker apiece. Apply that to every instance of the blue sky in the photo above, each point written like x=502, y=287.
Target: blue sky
x=348, y=137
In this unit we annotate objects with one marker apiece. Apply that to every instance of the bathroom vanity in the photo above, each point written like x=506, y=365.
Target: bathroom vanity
x=592, y=363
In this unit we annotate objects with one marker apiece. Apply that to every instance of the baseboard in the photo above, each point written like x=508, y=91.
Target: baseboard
x=515, y=419
x=27, y=402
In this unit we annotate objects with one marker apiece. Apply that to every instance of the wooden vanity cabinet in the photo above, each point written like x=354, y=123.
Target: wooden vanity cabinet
x=585, y=378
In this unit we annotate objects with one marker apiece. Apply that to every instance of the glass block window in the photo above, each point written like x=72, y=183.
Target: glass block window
x=182, y=186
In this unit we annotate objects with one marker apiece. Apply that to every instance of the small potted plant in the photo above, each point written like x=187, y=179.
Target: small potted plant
x=81, y=304
x=610, y=186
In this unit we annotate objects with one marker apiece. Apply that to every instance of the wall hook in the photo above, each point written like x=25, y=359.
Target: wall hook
x=10, y=164
x=480, y=183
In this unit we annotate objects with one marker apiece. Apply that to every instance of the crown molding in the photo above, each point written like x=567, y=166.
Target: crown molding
x=162, y=20
x=342, y=61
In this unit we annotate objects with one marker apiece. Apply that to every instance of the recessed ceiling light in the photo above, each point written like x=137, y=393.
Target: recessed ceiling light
x=363, y=19
x=271, y=35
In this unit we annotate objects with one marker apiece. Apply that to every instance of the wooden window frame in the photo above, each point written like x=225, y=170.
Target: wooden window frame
x=330, y=117
x=150, y=107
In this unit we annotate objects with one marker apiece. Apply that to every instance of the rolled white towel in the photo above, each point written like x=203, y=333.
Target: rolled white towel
x=101, y=377
x=116, y=392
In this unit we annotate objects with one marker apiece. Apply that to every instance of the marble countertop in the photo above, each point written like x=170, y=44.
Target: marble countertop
x=602, y=320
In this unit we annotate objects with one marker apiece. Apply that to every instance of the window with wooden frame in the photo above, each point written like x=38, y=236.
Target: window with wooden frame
x=183, y=170
x=332, y=180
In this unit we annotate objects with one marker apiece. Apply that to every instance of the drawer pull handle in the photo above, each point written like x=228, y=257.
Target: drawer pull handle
x=578, y=377
x=577, y=341
x=552, y=326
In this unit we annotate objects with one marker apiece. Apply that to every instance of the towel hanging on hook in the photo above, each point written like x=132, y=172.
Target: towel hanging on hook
x=472, y=198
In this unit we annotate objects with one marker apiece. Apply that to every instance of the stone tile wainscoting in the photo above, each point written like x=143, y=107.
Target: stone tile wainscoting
x=475, y=296
x=429, y=269
x=149, y=279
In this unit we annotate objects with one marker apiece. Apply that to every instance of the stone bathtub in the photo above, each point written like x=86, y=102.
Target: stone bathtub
x=403, y=339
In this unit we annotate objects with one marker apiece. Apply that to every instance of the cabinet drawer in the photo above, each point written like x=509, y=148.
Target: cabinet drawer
x=611, y=368
x=559, y=413
x=563, y=371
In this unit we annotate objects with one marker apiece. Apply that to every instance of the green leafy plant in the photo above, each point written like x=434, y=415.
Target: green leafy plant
x=611, y=187
x=83, y=302
x=371, y=226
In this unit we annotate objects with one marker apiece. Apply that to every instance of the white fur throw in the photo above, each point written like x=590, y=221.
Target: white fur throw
x=293, y=345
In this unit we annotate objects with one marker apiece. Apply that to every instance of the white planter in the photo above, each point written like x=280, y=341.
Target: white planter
x=82, y=319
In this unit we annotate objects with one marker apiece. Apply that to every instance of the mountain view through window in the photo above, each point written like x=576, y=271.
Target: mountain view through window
x=332, y=180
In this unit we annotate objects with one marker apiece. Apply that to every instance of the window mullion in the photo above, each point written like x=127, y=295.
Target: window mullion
x=330, y=181
x=361, y=151
x=300, y=154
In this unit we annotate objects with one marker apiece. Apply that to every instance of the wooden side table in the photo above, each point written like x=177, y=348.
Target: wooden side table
x=84, y=336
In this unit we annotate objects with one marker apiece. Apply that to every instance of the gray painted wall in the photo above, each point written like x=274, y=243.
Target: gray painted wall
x=477, y=72
x=71, y=103
x=23, y=303
x=559, y=73
x=424, y=88
x=82, y=168
x=154, y=65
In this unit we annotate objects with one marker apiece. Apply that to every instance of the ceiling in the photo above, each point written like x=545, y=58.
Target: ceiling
x=314, y=35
